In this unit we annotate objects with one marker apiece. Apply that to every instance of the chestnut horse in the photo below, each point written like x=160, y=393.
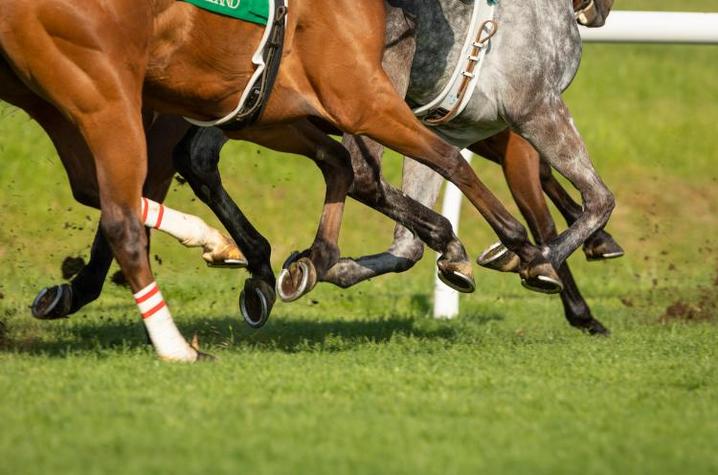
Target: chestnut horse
x=99, y=64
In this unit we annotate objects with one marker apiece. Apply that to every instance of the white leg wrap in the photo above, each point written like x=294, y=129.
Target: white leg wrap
x=166, y=338
x=190, y=230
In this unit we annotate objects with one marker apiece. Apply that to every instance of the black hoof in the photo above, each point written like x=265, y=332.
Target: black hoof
x=205, y=357
x=499, y=257
x=602, y=247
x=297, y=278
x=53, y=302
x=255, y=302
x=591, y=326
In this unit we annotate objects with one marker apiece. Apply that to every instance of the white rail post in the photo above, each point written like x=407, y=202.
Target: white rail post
x=446, y=299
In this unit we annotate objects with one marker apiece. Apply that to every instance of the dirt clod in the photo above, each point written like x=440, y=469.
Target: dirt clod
x=118, y=278
x=71, y=266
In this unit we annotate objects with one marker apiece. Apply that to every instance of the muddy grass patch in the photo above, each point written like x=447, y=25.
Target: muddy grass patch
x=703, y=309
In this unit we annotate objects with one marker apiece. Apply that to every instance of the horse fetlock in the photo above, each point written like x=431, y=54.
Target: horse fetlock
x=324, y=255
x=406, y=245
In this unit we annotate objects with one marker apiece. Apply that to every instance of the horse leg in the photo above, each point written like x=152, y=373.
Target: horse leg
x=550, y=129
x=419, y=183
x=196, y=158
x=413, y=218
x=102, y=96
x=65, y=299
x=392, y=123
x=302, y=270
x=520, y=164
x=600, y=245
x=59, y=301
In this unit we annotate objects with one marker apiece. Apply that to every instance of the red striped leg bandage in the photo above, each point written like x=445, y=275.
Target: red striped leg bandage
x=188, y=229
x=166, y=338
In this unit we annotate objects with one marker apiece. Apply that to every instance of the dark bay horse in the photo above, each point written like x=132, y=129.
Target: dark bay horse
x=97, y=66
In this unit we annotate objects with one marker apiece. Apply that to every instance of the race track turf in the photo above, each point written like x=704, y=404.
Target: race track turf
x=363, y=380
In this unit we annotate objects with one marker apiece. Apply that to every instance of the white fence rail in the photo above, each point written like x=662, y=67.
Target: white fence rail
x=621, y=27
x=655, y=27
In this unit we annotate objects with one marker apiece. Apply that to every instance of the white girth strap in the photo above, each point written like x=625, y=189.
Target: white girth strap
x=456, y=95
x=257, y=60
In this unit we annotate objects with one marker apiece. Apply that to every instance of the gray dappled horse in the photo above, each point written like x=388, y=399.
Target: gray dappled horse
x=416, y=44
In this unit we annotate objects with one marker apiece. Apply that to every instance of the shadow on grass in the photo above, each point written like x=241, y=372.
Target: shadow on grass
x=282, y=333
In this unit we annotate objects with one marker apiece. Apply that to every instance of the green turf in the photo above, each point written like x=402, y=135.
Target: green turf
x=361, y=380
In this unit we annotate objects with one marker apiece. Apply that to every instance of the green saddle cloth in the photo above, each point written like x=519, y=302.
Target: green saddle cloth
x=254, y=11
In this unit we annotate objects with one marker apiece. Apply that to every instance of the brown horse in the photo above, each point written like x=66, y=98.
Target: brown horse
x=98, y=65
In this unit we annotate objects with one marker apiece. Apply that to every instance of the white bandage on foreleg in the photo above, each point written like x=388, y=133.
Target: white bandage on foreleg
x=190, y=230
x=166, y=338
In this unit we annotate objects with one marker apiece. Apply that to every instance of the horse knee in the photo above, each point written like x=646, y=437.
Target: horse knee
x=339, y=159
x=126, y=236
x=601, y=205
x=367, y=189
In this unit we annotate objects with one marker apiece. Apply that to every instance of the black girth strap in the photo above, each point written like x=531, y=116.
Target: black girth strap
x=259, y=94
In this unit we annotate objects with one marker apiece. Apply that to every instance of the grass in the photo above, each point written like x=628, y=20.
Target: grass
x=361, y=380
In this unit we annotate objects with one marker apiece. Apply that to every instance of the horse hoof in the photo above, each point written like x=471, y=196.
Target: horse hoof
x=255, y=302
x=602, y=247
x=499, y=257
x=228, y=256
x=52, y=302
x=459, y=276
x=205, y=357
x=541, y=277
x=591, y=326
x=228, y=264
x=296, y=279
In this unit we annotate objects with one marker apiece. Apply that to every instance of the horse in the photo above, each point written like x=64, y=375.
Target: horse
x=528, y=177
x=100, y=65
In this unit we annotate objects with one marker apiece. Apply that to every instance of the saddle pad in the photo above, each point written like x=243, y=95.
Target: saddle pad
x=254, y=11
